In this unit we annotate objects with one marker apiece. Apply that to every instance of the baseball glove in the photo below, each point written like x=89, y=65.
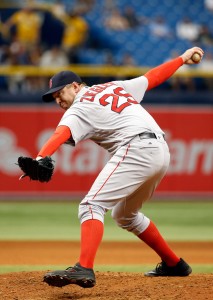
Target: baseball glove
x=41, y=170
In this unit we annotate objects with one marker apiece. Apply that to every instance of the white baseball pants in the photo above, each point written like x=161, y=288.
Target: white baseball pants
x=129, y=179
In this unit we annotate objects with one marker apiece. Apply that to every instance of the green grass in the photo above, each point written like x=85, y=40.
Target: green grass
x=39, y=221
x=59, y=221
x=101, y=268
x=177, y=221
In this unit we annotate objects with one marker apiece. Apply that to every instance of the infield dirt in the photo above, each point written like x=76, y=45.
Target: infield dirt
x=110, y=285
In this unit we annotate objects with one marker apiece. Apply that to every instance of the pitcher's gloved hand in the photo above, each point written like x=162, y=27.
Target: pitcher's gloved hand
x=41, y=170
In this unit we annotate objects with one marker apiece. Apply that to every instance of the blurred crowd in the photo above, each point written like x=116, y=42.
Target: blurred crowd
x=46, y=33
x=41, y=36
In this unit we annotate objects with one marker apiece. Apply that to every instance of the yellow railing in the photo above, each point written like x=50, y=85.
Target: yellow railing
x=93, y=70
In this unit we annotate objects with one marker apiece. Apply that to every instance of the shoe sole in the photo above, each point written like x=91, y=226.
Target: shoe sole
x=156, y=275
x=60, y=281
x=187, y=273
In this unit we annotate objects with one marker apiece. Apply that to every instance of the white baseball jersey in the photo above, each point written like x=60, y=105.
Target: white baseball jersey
x=110, y=113
x=111, y=116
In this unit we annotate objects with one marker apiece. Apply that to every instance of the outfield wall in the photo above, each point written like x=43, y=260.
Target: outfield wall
x=24, y=129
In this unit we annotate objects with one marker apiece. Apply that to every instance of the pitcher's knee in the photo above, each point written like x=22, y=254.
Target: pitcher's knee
x=135, y=224
x=90, y=211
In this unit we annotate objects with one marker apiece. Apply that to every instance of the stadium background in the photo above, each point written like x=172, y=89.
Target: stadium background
x=182, y=205
x=182, y=105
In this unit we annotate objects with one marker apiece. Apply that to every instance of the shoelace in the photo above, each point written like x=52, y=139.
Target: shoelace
x=75, y=268
x=71, y=269
x=159, y=267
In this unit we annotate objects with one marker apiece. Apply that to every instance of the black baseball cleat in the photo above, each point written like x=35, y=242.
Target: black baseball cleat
x=79, y=275
x=181, y=269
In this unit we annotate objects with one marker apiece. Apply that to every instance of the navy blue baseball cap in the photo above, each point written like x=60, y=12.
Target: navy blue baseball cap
x=58, y=82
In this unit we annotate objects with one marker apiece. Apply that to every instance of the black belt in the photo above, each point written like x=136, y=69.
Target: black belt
x=149, y=135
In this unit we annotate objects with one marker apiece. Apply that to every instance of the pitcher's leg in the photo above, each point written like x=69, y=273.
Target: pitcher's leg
x=128, y=216
x=91, y=237
x=111, y=186
x=127, y=212
x=172, y=265
x=152, y=237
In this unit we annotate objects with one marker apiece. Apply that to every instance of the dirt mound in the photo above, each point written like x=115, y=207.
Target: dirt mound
x=110, y=286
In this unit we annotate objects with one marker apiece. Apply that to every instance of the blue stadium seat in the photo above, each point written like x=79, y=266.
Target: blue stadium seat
x=145, y=49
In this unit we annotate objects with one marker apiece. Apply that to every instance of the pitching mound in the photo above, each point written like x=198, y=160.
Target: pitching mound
x=110, y=286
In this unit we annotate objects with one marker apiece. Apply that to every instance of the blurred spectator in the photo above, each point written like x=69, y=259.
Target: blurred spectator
x=209, y=5
x=4, y=56
x=54, y=57
x=108, y=6
x=75, y=34
x=205, y=37
x=128, y=61
x=52, y=27
x=27, y=24
x=16, y=56
x=116, y=21
x=109, y=59
x=84, y=6
x=4, y=53
x=35, y=84
x=207, y=65
x=207, y=62
x=181, y=82
x=58, y=9
x=76, y=29
x=18, y=53
x=35, y=55
x=159, y=28
x=131, y=17
x=186, y=29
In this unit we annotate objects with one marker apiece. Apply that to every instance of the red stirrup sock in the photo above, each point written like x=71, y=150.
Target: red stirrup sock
x=152, y=237
x=91, y=236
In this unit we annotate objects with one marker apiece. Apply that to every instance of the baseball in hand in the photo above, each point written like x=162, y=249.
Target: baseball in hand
x=196, y=57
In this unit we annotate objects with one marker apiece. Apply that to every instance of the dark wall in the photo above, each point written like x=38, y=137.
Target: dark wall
x=151, y=97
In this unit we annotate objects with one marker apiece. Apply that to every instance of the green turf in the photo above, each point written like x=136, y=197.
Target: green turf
x=197, y=268
x=59, y=221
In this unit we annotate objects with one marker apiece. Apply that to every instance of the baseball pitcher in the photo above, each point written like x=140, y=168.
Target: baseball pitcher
x=111, y=115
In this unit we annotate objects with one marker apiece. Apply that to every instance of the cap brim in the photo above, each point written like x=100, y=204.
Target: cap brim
x=47, y=97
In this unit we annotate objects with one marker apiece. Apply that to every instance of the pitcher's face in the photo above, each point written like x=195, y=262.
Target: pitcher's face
x=65, y=97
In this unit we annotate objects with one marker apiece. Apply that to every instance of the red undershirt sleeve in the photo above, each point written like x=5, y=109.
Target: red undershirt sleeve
x=60, y=136
x=158, y=75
